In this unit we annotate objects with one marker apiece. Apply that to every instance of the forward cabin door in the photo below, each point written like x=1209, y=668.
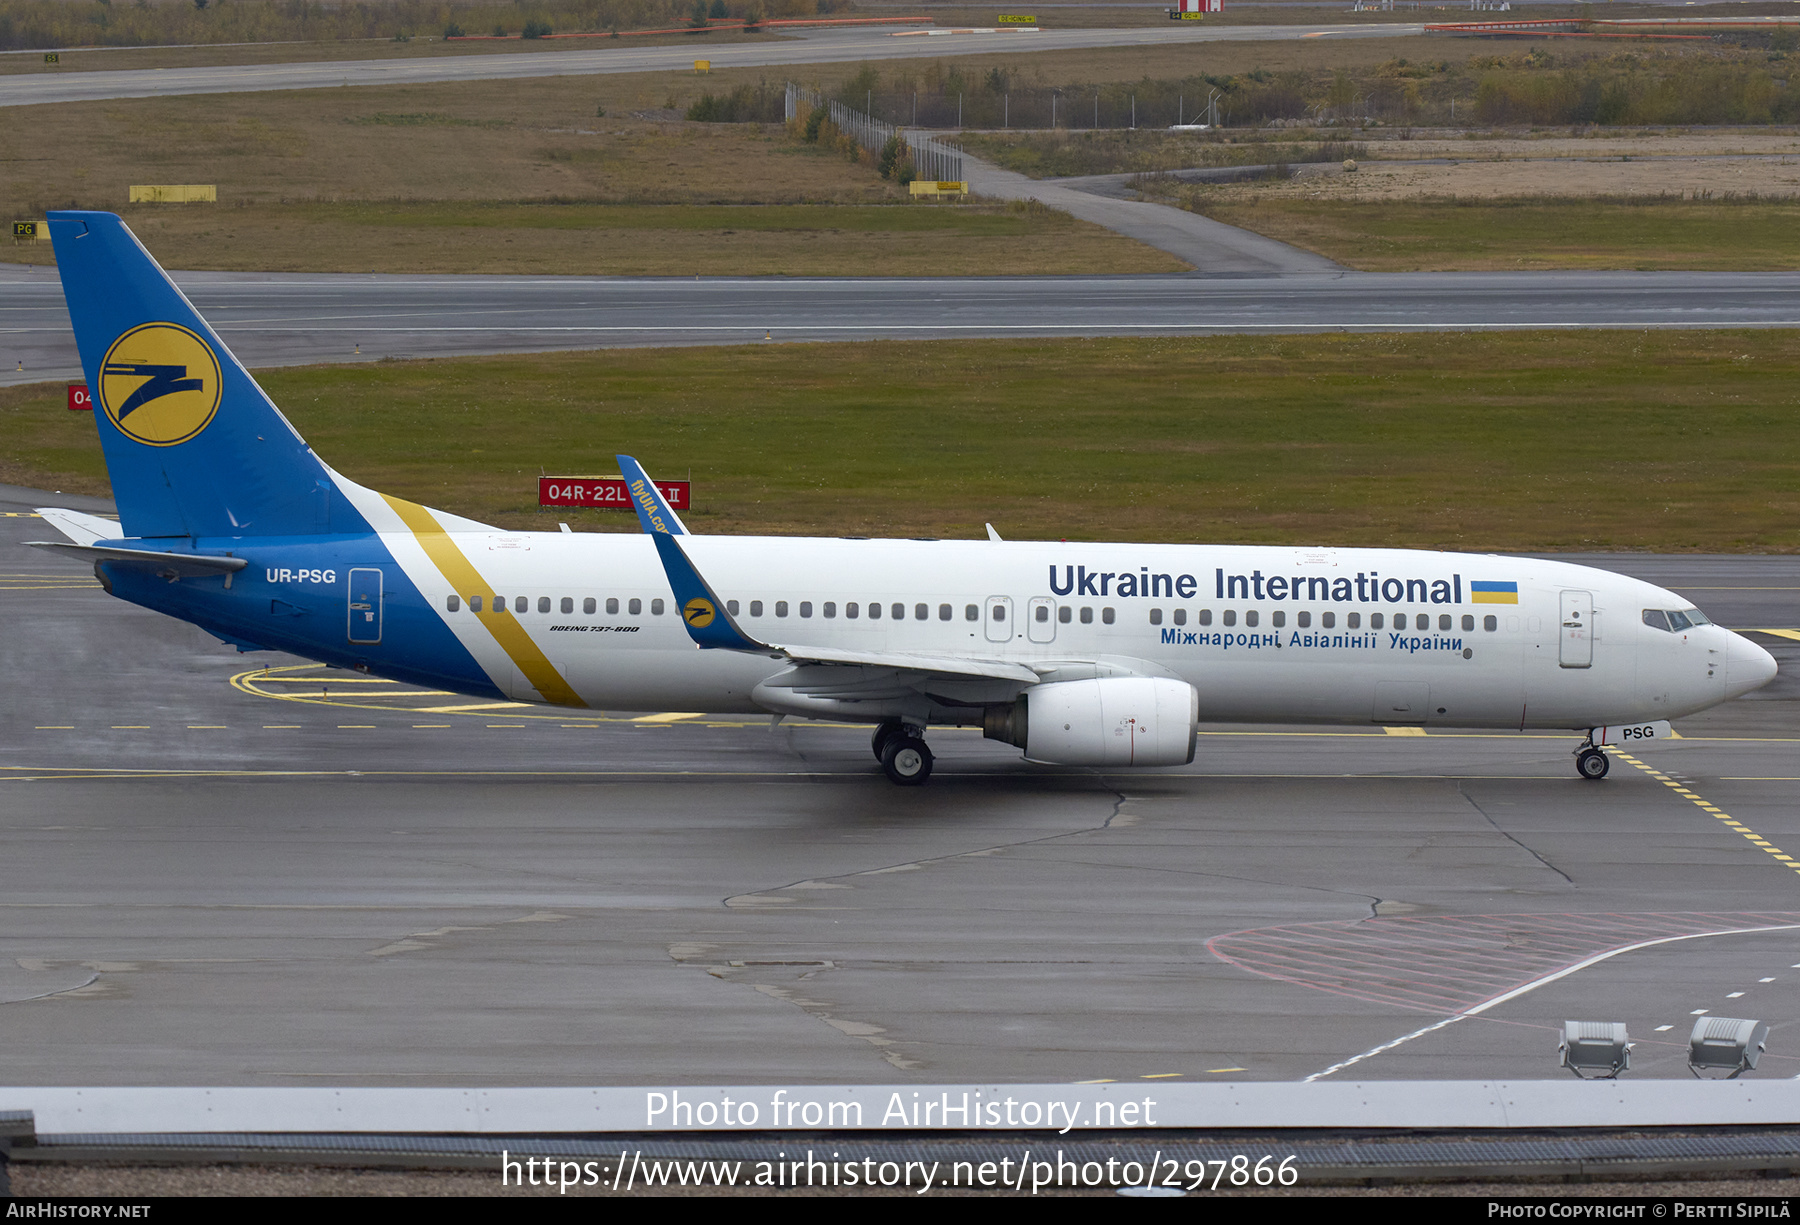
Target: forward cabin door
x=1577, y=643
x=1040, y=625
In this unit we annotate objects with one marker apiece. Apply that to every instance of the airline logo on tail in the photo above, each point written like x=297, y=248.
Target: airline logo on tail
x=699, y=612
x=160, y=384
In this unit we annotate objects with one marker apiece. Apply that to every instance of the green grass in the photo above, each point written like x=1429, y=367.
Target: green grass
x=1530, y=232
x=1017, y=238
x=1601, y=440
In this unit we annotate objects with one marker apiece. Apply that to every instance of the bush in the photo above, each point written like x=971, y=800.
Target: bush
x=814, y=122
x=537, y=29
x=759, y=103
x=895, y=155
x=452, y=30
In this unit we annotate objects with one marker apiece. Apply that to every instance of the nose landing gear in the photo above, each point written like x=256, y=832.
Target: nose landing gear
x=1591, y=762
x=902, y=753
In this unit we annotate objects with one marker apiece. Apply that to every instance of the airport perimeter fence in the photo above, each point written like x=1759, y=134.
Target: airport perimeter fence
x=932, y=159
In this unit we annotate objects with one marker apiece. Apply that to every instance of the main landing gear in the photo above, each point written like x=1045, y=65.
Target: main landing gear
x=902, y=753
x=1591, y=762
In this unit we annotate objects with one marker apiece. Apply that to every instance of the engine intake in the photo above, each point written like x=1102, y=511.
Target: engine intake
x=1116, y=721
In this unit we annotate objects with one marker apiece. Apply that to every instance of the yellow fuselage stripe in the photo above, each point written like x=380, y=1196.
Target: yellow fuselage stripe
x=526, y=655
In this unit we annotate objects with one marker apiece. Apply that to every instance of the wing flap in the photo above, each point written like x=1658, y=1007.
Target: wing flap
x=909, y=661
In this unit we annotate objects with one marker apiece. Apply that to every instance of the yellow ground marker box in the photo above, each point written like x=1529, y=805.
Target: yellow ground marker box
x=938, y=187
x=174, y=193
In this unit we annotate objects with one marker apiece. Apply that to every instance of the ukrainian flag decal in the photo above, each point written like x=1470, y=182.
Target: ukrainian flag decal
x=1493, y=593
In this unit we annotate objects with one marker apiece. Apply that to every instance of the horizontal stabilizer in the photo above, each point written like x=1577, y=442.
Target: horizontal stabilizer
x=180, y=565
x=82, y=529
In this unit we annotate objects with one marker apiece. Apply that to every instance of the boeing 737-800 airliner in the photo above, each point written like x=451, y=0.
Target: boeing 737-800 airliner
x=1105, y=655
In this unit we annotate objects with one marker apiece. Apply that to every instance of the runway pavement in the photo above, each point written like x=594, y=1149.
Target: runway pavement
x=282, y=319
x=586, y=59
x=225, y=869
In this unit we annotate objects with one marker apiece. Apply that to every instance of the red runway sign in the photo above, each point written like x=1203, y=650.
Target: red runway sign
x=79, y=399
x=602, y=492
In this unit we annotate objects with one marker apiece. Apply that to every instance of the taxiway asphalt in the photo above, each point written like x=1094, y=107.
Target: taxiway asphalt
x=291, y=319
x=312, y=877
x=819, y=46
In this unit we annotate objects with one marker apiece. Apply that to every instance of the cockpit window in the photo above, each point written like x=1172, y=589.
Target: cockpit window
x=1673, y=620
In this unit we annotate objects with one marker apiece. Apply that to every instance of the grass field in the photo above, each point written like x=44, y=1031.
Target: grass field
x=896, y=239
x=1605, y=440
x=512, y=177
x=1644, y=233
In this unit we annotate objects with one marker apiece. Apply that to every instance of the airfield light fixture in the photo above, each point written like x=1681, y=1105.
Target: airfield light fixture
x=1595, y=1050
x=1726, y=1042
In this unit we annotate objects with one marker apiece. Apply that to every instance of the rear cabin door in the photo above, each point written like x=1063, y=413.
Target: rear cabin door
x=1577, y=642
x=365, y=604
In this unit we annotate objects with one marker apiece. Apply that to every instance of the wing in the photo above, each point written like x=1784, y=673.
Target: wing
x=712, y=627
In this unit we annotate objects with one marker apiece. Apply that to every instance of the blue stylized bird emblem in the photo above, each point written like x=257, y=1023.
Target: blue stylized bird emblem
x=164, y=381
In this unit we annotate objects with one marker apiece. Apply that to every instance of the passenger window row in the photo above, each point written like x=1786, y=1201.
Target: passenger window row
x=1066, y=613
x=853, y=610
x=566, y=605
x=1328, y=620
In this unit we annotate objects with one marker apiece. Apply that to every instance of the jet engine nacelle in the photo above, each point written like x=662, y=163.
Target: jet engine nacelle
x=1116, y=721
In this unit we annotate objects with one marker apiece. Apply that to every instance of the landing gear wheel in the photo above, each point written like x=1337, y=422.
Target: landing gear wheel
x=906, y=760
x=1592, y=764
x=883, y=733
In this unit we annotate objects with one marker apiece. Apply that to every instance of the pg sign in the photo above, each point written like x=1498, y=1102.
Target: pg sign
x=603, y=492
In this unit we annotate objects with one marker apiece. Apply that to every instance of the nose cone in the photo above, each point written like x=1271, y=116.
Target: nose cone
x=1747, y=667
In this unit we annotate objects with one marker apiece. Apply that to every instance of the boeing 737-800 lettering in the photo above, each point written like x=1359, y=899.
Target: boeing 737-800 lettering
x=1105, y=655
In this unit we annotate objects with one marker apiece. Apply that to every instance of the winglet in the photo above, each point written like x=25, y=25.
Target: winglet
x=709, y=622
x=653, y=510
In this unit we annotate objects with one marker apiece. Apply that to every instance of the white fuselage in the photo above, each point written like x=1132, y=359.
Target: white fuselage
x=1264, y=634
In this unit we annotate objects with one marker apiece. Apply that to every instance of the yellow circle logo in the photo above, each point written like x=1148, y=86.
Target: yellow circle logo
x=159, y=384
x=699, y=612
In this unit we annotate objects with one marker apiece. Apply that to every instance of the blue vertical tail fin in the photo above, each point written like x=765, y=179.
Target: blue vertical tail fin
x=194, y=447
